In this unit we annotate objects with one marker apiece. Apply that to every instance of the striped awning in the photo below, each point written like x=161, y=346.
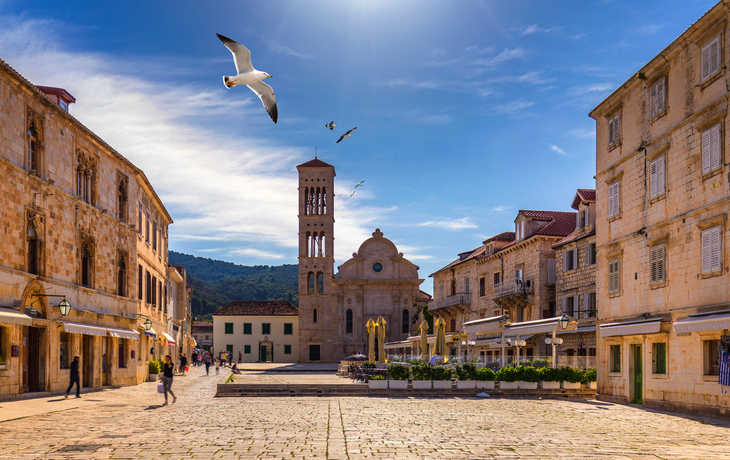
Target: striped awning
x=168, y=337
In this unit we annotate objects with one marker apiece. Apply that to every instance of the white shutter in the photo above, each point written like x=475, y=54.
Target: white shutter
x=706, y=61
x=588, y=217
x=706, y=151
x=577, y=220
x=660, y=95
x=706, y=252
x=715, y=55
x=652, y=179
x=714, y=147
x=575, y=258
x=576, y=306
x=565, y=260
x=711, y=256
x=587, y=255
x=614, y=194
x=653, y=100
x=660, y=181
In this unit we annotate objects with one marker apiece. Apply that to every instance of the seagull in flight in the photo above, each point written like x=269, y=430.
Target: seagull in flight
x=249, y=76
x=353, y=192
x=331, y=125
x=347, y=134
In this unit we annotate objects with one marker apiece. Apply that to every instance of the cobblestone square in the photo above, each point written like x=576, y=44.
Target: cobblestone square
x=131, y=423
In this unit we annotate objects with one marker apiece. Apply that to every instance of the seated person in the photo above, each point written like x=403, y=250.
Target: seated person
x=234, y=369
x=435, y=359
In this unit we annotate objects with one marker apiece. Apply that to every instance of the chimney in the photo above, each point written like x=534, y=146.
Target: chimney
x=276, y=299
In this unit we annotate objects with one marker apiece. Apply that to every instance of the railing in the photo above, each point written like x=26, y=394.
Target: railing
x=577, y=362
x=450, y=301
x=515, y=286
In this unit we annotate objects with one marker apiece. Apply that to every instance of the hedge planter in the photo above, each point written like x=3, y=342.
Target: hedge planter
x=571, y=386
x=550, y=385
x=508, y=385
x=592, y=385
x=466, y=384
x=421, y=384
x=378, y=384
x=528, y=385
x=398, y=384
x=442, y=384
x=485, y=384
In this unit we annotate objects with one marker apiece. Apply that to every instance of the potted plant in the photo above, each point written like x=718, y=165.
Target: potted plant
x=377, y=382
x=485, y=378
x=539, y=363
x=441, y=376
x=3, y=361
x=421, y=373
x=154, y=368
x=508, y=378
x=466, y=377
x=571, y=378
x=398, y=376
x=590, y=377
x=550, y=378
x=528, y=377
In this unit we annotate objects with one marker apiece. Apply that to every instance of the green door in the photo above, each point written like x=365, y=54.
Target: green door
x=262, y=353
x=637, y=374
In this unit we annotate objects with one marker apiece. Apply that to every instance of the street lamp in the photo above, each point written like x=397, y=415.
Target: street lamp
x=65, y=307
x=563, y=323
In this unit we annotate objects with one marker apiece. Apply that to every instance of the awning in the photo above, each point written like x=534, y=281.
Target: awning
x=87, y=329
x=580, y=330
x=401, y=344
x=450, y=337
x=493, y=324
x=540, y=326
x=123, y=333
x=497, y=341
x=206, y=342
x=703, y=322
x=652, y=326
x=192, y=339
x=13, y=316
x=151, y=333
x=170, y=340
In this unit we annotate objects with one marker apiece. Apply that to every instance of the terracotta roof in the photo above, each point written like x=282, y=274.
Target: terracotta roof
x=202, y=326
x=54, y=90
x=504, y=236
x=258, y=308
x=316, y=163
x=573, y=237
x=473, y=254
x=563, y=224
x=585, y=195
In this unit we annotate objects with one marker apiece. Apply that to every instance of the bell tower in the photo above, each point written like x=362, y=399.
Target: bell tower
x=318, y=318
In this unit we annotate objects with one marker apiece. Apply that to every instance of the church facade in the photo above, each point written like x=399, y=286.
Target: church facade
x=376, y=281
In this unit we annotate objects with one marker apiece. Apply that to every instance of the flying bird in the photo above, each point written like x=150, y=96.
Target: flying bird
x=353, y=192
x=347, y=134
x=331, y=125
x=249, y=76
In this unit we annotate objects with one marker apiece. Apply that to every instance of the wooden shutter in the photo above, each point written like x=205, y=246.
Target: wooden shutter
x=613, y=199
x=614, y=283
x=705, y=62
x=565, y=305
x=660, y=95
x=614, y=129
x=653, y=101
x=656, y=177
x=715, y=55
x=657, y=264
x=714, y=147
x=575, y=258
x=587, y=255
x=576, y=306
x=565, y=260
x=711, y=257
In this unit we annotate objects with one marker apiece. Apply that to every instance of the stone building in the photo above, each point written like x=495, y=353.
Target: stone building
x=68, y=205
x=663, y=275
x=575, y=289
x=203, y=335
x=376, y=281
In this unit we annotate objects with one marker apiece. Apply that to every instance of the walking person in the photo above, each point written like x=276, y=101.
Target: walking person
x=74, y=378
x=167, y=378
x=208, y=361
x=194, y=358
x=240, y=358
x=183, y=363
x=230, y=359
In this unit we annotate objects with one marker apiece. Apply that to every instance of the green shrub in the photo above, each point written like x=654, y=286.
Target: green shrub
x=377, y=377
x=493, y=364
x=548, y=374
x=368, y=365
x=589, y=375
x=466, y=372
x=441, y=373
x=3, y=358
x=421, y=371
x=528, y=374
x=485, y=375
x=508, y=374
x=571, y=375
x=398, y=372
x=154, y=366
x=539, y=363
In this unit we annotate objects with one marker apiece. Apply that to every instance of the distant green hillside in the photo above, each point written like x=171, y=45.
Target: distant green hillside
x=215, y=283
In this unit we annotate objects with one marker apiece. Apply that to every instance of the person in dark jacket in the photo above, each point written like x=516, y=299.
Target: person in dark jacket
x=183, y=363
x=74, y=378
x=167, y=378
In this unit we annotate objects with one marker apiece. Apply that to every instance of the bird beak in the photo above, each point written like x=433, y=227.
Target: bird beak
x=270, y=76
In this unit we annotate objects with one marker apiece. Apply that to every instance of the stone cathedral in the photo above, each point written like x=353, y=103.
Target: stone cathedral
x=376, y=281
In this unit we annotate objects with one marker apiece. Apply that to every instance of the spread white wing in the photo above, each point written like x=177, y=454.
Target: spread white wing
x=266, y=94
x=241, y=54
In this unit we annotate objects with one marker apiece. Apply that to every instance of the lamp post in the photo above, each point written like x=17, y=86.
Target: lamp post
x=64, y=306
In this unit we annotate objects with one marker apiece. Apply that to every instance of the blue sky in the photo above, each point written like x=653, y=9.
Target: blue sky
x=466, y=111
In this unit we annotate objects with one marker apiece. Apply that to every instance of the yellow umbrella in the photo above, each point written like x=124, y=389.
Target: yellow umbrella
x=440, y=346
x=371, y=340
x=381, y=339
x=424, y=340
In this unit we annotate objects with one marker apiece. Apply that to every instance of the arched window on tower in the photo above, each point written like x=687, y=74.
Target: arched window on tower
x=406, y=322
x=33, y=145
x=121, y=276
x=318, y=202
x=311, y=201
x=320, y=283
x=324, y=200
x=85, y=266
x=348, y=321
x=322, y=245
x=313, y=245
x=314, y=315
x=310, y=282
x=33, y=265
x=306, y=201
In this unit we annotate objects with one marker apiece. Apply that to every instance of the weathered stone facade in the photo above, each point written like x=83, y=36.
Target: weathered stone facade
x=663, y=201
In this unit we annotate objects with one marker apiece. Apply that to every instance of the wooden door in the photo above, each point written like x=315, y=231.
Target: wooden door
x=638, y=373
x=31, y=358
x=86, y=361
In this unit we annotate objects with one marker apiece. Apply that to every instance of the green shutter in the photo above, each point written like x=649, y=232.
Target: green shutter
x=229, y=328
x=247, y=348
x=229, y=348
x=247, y=328
x=287, y=349
x=288, y=328
x=660, y=355
x=266, y=328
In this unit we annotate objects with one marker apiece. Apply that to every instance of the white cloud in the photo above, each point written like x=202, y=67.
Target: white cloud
x=557, y=149
x=513, y=107
x=533, y=78
x=506, y=55
x=650, y=29
x=288, y=51
x=586, y=89
x=257, y=253
x=436, y=119
x=501, y=208
x=534, y=28
x=458, y=224
x=399, y=82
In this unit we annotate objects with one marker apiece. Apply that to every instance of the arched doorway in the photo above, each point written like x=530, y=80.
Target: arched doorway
x=266, y=351
x=34, y=344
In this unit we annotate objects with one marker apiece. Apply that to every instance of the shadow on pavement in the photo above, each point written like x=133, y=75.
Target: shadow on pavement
x=153, y=407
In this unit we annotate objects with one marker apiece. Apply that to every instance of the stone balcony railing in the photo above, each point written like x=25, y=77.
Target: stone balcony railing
x=450, y=301
x=514, y=286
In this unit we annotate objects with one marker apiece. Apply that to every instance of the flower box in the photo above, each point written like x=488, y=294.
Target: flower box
x=378, y=384
x=485, y=384
x=3, y=366
x=528, y=385
x=571, y=386
x=592, y=385
x=550, y=385
x=398, y=384
x=466, y=384
x=508, y=385
x=421, y=384
x=442, y=384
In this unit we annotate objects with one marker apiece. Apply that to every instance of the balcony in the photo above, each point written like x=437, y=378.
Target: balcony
x=463, y=299
x=512, y=287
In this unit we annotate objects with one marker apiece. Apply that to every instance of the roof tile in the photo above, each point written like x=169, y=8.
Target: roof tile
x=258, y=308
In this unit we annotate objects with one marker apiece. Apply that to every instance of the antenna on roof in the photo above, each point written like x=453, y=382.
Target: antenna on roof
x=315, y=152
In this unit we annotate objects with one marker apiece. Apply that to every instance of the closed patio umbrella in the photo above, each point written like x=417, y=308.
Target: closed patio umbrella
x=440, y=346
x=381, y=339
x=424, y=340
x=370, y=325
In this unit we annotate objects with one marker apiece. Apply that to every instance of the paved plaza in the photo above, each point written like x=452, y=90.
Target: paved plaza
x=130, y=423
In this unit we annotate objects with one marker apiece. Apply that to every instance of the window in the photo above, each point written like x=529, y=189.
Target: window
x=615, y=358
x=496, y=278
x=519, y=230
x=614, y=199
x=63, y=350
x=582, y=219
x=159, y=296
x=85, y=266
x=659, y=358
x=589, y=305
x=711, y=149
x=656, y=177
x=121, y=275
x=122, y=355
x=314, y=315
x=658, y=262
x=149, y=287
x=466, y=284
x=570, y=305
x=711, y=357
x=551, y=310
x=320, y=283
x=154, y=236
x=266, y=328
x=147, y=228
x=229, y=328
x=153, y=288
x=711, y=257
x=348, y=321
x=452, y=324
x=590, y=254
x=377, y=267
x=33, y=250
x=614, y=276
x=406, y=324
x=139, y=217
x=164, y=304
x=551, y=270
x=570, y=260
x=658, y=97
x=614, y=130
x=711, y=58
x=287, y=349
x=247, y=328
x=85, y=176
x=247, y=349
x=140, y=283
x=122, y=199
x=288, y=328
x=33, y=145
x=482, y=286
x=310, y=282
x=229, y=348
x=441, y=291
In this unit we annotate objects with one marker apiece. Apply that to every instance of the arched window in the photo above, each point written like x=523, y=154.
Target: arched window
x=348, y=321
x=406, y=322
x=322, y=245
x=320, y=283
x=32, y=145
x=306, y=201
x=121, y=276
x=314, y=315
x=32, y=250
x=318, y=202
x=310, y=282
x=122, y=200
x=85, y=266
x=324, y=200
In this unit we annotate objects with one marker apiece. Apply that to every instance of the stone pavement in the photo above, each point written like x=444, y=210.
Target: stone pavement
x=130, y=423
